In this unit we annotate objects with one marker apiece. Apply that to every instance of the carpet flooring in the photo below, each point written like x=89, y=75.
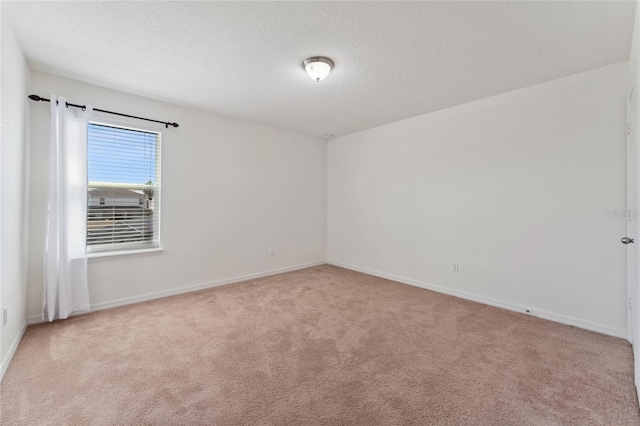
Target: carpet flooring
x=320, y=346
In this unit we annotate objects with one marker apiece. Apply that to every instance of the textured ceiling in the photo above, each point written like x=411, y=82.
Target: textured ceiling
x=394, y=60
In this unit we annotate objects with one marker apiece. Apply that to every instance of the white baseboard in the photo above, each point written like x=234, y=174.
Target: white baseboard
x=12, y=350
x=563, y=319
x=36, y=319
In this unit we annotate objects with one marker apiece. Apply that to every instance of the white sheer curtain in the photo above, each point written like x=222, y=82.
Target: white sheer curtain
x=65, y=264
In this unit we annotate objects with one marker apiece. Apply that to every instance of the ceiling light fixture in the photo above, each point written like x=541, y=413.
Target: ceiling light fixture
x=318, y=67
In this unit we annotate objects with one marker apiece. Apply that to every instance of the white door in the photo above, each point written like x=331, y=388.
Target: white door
x=633, y=293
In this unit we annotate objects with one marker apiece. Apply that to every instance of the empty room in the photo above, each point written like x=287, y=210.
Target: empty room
x=319, y=213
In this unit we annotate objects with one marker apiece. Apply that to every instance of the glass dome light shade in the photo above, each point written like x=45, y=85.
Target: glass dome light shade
x=318, y=68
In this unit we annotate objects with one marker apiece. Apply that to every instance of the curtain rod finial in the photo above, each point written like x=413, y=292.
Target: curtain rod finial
x=35, y=98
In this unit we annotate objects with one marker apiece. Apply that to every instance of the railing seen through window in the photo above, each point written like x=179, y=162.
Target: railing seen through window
x=123, y=200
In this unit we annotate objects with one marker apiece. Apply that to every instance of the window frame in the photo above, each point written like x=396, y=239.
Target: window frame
x=118, y=249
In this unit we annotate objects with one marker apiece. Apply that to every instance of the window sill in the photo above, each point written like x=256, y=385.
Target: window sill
x=115, y=255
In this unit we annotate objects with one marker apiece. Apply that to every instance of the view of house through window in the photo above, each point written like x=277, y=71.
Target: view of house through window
x=123, y=168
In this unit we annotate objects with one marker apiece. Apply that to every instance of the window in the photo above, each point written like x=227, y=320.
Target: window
x=123, y=202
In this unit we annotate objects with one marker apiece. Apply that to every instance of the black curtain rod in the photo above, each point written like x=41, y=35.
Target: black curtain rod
x=166, y=123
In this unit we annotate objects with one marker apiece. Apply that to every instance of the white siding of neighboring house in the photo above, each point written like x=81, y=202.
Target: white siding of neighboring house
x=121, y=201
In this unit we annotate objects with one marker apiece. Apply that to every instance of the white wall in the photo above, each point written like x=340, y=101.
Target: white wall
x=513, y=187
x=231, y=190
x=14, y=158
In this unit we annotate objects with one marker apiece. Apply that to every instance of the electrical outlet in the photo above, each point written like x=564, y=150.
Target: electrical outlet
x=5, y=315
x=454, y=268
x=272, y=252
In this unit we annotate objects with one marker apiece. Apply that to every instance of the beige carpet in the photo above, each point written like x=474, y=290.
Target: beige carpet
x=318, y=346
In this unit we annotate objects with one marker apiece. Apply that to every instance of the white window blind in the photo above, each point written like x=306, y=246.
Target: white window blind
x=123, y=200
